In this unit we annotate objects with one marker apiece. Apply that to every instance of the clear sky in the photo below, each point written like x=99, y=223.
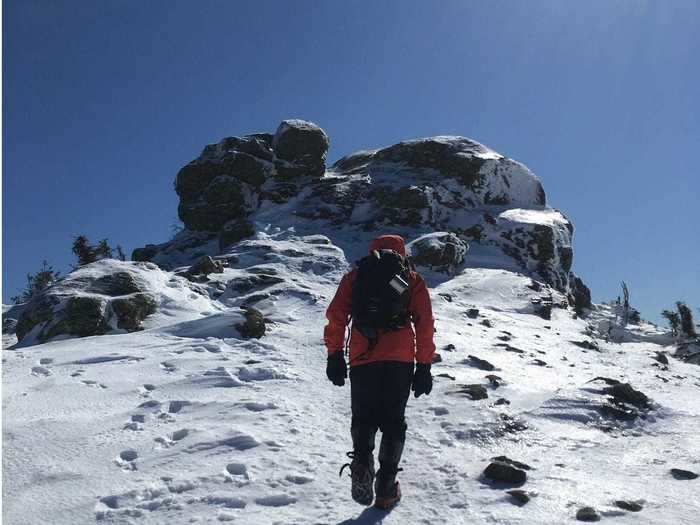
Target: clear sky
x=104, y=101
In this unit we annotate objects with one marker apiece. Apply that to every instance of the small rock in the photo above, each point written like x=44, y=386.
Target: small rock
x=446, y=296
x=631, y=506
x=511, y=425
x=661, y=358
x=504, y=338
x=449, y=348
x=475, y=392
x=587, y=514
x=494, y=380
x=254, y=325
x=681, y=474
x=206, y=265
x=486, y=323
x=587, y=345
x=505, y=473
x=481, y=364
x=448, y=376
x=539, y=362
x=508, y=461
x=509, y=348
x=625, y=393
x=502, y=401
x=473, y=313
x=519, y=497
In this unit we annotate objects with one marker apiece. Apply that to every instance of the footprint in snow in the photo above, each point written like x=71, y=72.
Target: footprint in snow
x=276, y=500
x=258, y=407
x=298, y=479
x=150, y=404
x=136, y=423
x=439, y=411
x=168, y=366
x=45, y=360
x=40, y=371
x=226, y=500
x=239, y=442
x=90, y=382
x=176, y=406
x=179, y=434
x=146, y=390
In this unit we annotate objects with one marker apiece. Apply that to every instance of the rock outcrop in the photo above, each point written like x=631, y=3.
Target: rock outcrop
x=97, y=298
x=456, y=187
x=228, y=180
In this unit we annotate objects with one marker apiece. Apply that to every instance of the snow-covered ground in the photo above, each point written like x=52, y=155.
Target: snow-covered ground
x=185, y=422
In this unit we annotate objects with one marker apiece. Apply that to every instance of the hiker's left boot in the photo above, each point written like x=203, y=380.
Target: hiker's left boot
x=388, y=490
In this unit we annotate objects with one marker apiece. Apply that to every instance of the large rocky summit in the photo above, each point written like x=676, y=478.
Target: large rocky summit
x=447, y=184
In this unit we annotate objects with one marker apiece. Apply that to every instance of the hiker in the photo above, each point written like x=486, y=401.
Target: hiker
x=384, y=296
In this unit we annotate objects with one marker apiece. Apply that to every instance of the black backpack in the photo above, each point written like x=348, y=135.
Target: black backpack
x=380, y=293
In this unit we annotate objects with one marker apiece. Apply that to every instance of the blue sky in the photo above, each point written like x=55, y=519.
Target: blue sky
x=104, y=101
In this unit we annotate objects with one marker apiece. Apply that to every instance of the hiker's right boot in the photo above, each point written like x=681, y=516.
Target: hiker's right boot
x=362, y=476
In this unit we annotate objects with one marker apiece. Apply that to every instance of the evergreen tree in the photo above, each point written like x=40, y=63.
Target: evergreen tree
x=687, y=324
x=37, y=283
x=83, y=251
x=103, y=250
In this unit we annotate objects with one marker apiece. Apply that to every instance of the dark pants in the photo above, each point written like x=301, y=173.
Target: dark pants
x=379, y=392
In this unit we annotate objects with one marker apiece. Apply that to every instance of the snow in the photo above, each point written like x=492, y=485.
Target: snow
x=186, y=422
x=547, y=216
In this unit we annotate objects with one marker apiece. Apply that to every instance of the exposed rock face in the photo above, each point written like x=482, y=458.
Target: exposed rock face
x=133, y=309
x=234, y=231
x=580, y=295
x=441, y=251
x=226, y=181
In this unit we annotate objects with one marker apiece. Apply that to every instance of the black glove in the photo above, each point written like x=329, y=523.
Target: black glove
x=422, y=380
x=336, y=369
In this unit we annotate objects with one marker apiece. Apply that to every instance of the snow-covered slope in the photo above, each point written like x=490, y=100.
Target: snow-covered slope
x=137, y=395
x=187, y=422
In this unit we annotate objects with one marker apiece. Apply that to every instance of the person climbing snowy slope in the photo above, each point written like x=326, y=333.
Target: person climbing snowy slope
x=385, y=298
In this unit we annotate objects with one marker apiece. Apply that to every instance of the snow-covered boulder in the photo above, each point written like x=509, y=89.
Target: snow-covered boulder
x=422, y=181
x=102, y=297
x=440, y=251
x=303, y=144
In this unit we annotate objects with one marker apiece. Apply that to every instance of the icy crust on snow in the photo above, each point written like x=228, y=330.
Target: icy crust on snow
x=188, y=422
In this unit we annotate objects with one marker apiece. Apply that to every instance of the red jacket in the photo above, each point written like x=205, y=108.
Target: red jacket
x=399, y=345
